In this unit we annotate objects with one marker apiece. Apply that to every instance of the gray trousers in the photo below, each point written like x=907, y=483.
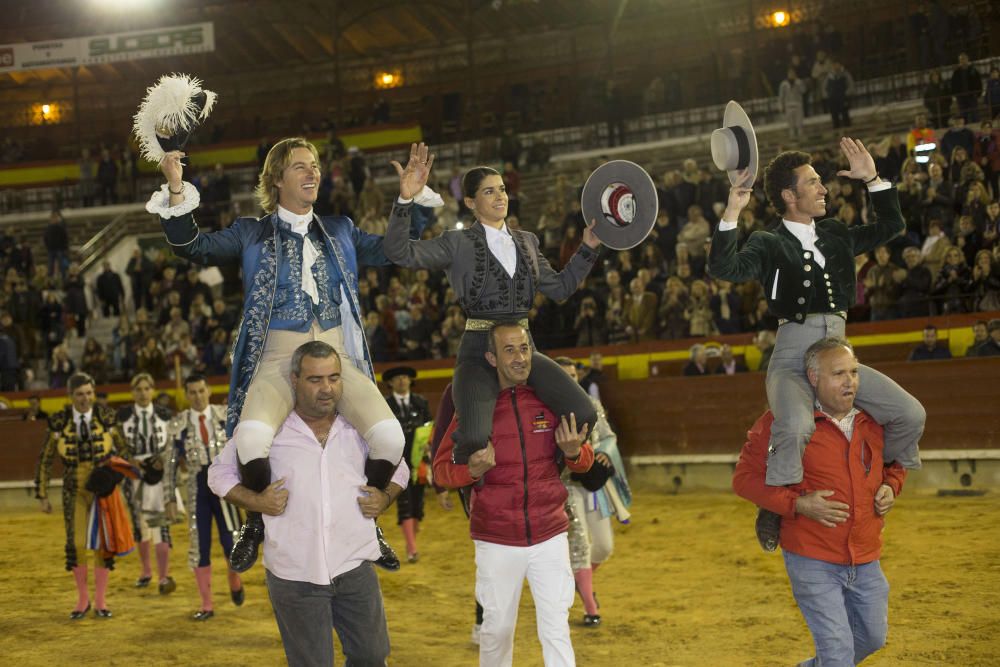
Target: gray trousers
x=792, y=402
x=351, y=605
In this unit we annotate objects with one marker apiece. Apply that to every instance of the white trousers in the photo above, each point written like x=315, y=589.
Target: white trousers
x=500, y=574
x=270, y=399
x=599, y=536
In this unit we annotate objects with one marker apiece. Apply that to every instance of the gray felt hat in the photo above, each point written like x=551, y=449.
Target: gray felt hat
x=622, y=198
x=734, y=145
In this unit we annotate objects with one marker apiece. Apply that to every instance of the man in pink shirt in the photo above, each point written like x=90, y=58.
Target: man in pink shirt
x=318, y=514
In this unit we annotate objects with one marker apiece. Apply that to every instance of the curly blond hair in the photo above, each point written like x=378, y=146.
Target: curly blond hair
x=278, y=159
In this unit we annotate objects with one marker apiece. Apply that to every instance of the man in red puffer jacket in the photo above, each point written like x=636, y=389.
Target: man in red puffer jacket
x=831, y=523
x=518, y=522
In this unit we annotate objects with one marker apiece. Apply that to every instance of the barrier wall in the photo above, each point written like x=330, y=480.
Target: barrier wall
x=686, y=416
x=658, y=413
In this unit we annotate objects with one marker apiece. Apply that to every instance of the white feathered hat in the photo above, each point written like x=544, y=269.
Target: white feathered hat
x=173, y=107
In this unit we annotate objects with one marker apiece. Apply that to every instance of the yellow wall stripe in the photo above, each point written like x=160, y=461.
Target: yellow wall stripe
x=630, y=366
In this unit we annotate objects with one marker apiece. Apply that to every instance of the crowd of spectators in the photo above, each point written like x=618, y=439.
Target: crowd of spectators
x=172, y=320
x=947, y=261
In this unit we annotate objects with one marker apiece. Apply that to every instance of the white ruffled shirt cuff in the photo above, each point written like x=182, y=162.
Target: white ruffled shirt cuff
x=726, y=226
x=159, y=202
x=426, y=197
x=879, y=187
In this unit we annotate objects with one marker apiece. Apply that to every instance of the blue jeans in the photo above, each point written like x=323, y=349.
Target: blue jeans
x=308, y=613
x=845, y=606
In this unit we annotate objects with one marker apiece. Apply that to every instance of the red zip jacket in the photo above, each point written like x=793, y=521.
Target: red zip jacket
x=852, y=470
x=521, y=501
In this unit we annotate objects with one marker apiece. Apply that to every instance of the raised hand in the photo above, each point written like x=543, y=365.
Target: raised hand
x=589, y=237
x=861, y=162
x=172, y=168
x=739, y=197
x=568, y=438
x=413, y=177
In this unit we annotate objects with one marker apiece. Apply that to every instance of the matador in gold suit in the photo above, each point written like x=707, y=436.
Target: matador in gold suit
x=84, y=436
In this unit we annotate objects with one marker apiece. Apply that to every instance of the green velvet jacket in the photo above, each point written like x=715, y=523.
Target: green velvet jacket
x=777, y=260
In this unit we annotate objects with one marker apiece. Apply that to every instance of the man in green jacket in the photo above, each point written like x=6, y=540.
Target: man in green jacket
x=807, y=269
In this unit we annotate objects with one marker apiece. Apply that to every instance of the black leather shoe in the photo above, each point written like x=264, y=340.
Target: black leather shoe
x=77, y=615
x=203, y=615
x=143, y=582
x=168, y=586
x=768, y=528
x=102, y=613
x=388, y=560
x=591, y=621
x=238, y=597
x=244, y=553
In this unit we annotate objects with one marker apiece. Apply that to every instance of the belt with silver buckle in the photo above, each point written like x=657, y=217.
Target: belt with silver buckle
x=839, y=313
x=486, y=325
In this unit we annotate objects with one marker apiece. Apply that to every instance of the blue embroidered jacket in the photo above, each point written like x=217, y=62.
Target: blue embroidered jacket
x=253, y=241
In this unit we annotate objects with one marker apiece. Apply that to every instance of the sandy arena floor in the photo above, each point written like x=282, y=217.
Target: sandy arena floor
x=687, y=585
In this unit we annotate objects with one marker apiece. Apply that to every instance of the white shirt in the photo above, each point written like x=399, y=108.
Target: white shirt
x=193, y=419
x=322, y=533
x=846, y=425
x=300, y=225
x=401, y=399
x=150, y=417
x=806, y=234
x=501, y=244
x=929, y=243
x=86, y=416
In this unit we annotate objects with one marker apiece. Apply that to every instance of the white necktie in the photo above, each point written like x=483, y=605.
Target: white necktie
x=300, y=225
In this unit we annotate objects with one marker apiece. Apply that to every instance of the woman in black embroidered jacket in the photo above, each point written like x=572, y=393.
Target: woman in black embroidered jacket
x=496, y=273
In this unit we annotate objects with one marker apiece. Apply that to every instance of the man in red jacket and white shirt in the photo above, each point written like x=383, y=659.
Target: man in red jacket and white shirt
x=831, y=532
x=518, y=521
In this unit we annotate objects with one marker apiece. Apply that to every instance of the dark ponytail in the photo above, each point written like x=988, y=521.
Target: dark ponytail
x=472, y=179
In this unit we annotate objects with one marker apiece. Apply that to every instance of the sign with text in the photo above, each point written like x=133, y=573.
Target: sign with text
x=132, y=45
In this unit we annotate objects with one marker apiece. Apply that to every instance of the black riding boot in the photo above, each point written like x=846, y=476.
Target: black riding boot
x=379, y=472
x=255, y=475
x=768, y=529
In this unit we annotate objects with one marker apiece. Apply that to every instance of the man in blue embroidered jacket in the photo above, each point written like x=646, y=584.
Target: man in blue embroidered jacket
x=300, y=284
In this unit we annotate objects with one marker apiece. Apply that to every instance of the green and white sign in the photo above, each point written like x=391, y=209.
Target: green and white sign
x=132, y=45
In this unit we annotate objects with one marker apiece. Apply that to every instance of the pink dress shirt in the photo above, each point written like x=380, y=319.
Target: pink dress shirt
x=321, y=533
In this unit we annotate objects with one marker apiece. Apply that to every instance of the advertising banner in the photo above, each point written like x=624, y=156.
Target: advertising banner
x=132, y=45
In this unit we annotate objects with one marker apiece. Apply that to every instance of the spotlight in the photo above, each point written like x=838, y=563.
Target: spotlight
x=388, y=79
x=780, y=18
x=46, y=109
